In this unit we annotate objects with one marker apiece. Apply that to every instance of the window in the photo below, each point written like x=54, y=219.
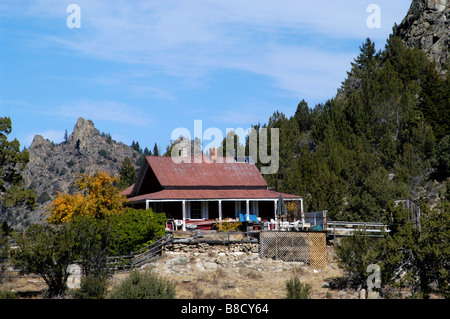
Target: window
x=196, y=210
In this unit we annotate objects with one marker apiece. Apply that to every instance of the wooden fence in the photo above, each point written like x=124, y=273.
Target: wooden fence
x=140, y=257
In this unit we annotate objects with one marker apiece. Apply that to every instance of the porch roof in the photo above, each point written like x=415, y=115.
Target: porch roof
x=213, y=194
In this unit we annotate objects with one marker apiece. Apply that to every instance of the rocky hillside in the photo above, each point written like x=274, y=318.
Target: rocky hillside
x=55, y=167
x=427, y=26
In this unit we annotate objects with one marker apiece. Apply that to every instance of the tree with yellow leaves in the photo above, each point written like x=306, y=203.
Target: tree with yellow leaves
x=97, y=197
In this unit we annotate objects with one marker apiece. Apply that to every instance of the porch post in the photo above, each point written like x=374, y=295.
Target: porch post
x=301, y=211
x=275, y=212
x=184, y=214
x=220, y=210
x=147, y=203
x=247, y=209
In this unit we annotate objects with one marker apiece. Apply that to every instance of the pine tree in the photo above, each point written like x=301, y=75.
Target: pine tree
x=127, y=174
x=365, y=61
x=66, y=136
x=12, y=164
x=156, y=150
x=434, y=102
x=303, y=116
x=147, y=152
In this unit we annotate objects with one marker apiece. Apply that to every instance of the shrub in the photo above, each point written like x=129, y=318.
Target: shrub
x=46, y=251
x=228, y=226
x=92, y=287
x=44, y=197
x=297, y=290
x=8, y=295
x=143, y=285
x=4, y=254
x=354, y=255
x=134, y=229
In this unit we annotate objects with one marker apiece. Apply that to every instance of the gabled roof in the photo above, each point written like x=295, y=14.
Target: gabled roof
x=204, y=174
x=199, y=180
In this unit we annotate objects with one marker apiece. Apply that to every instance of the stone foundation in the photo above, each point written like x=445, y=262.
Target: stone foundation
x=213, y=248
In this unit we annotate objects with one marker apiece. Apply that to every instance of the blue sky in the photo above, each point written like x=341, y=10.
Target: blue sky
x=140, y=69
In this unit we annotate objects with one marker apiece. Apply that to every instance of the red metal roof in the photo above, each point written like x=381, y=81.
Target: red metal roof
x=204, y=174
x=127, y=191
x=204, y=180
x=199, y=194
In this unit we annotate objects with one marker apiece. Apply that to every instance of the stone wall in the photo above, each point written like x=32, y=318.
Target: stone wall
x=213, y=248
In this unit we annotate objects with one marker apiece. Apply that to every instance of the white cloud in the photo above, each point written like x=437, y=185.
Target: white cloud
x=278, y=39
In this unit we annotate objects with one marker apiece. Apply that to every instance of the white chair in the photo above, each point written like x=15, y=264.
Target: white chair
x=178, y=223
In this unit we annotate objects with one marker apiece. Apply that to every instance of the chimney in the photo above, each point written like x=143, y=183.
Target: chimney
x=213, y=153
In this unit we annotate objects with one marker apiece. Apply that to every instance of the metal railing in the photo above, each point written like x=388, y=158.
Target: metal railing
x=369, y=229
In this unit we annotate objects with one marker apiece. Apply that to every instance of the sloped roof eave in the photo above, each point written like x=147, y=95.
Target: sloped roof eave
x=210, y=194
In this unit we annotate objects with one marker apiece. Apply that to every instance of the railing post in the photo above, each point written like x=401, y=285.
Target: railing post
x=334, y=230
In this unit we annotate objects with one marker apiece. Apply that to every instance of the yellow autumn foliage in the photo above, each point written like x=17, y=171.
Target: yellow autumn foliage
x=97, y=197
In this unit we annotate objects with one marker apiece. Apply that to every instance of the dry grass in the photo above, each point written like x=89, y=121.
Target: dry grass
x=206, y=276
x=247, y=278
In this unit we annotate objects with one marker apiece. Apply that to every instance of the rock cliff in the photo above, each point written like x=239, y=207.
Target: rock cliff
x=427, y=26
x=55, y=167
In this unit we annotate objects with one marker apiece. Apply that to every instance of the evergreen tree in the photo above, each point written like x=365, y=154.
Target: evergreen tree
x=236, y=148
x=303, y=116
x=136, y=147
x=156, y=150
x=289, y=148
x=147, y=152
x=434, y=101
x=417, y=258
x=12, y=164
x=127, y=174
x=365, y=62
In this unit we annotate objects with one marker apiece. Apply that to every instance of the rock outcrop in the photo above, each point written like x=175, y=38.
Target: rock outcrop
x=427, y=26
x=55, y=167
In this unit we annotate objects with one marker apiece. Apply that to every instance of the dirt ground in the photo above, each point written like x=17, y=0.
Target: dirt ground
x=241, y=276
x=204, y=276
x=248, y=280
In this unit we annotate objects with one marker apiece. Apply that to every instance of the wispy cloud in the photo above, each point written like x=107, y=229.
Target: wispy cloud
x=190, y=38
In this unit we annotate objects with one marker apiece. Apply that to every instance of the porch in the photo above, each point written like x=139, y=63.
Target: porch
x=207, y=214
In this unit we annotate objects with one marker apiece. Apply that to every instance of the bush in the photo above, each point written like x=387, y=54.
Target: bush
x=228, y=226
x=46, y=251
x=92, y=287
x=44, y=197
x=4, y=253
x=134, y=229
x=93, y=241
x=354, y=255
x=297, y=290
x=8, y=295
x=143, y=285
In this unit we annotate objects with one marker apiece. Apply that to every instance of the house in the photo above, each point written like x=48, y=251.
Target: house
x=202, y=192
